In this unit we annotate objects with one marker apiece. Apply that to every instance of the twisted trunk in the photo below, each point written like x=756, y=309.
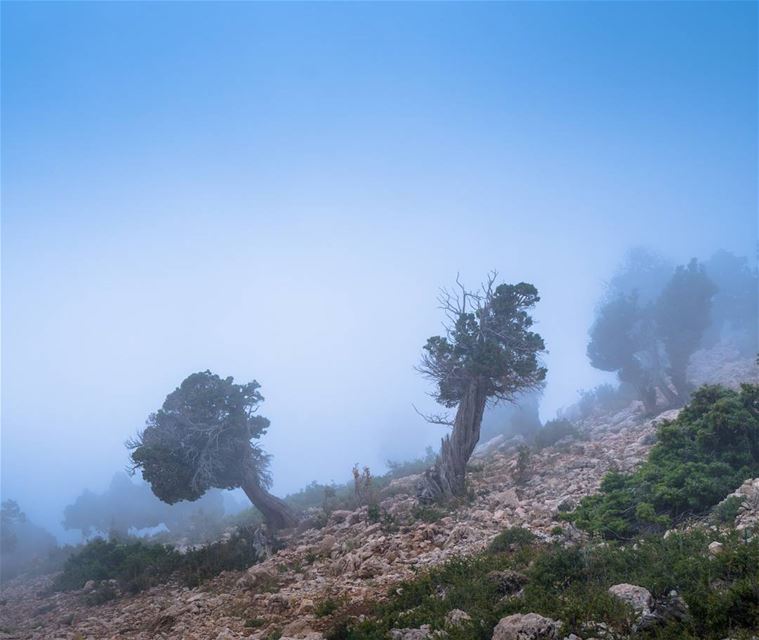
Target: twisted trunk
x=277, y=514
x=446, y=478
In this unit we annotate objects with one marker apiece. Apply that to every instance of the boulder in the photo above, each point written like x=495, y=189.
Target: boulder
x=507, y=582
x=456, y=618
x=639, y=598
x=422, y=633
x=715, y=548
x=530, y=626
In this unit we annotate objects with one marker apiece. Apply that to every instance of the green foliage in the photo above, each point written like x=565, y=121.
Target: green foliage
x=489, y=341
x=136, y=565
x=571, y=583
x=427, y=513
x=511, y=538
x=373, y=513
x=553, y=431
x=727, y=511
x=326, y=607
x=174, y=451
x=703, y=455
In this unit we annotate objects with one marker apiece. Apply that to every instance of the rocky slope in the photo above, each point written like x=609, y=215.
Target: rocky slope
x=352, y=561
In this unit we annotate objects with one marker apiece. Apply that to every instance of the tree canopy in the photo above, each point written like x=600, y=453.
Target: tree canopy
x=201, y=438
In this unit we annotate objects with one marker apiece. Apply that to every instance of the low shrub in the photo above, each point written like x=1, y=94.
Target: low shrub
x=699, y=458
x=136, y=565
x=727, y=511
x=511, y=538
x=553, y=431
x=571, y=584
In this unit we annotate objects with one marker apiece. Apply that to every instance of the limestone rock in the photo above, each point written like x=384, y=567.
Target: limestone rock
x=530, y=626
x=639, y=598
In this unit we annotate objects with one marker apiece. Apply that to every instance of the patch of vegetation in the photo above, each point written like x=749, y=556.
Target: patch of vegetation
x=428, y=513
x=727, y=511
x=254, y=623
x=571, y=584
x=511, y=538
x=326, y=607
x=373, y=513
x=699, y=458
x=136, y=565
x=553, y=431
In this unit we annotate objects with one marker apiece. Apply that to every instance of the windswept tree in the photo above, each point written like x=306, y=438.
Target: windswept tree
x=623, y=339
x=202, y=438
x=682, y=317
x=648, y=341
x=488, y=353
x=735, y=307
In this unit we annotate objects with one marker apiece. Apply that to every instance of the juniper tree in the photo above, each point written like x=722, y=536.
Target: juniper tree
x=202, y=438
x=488, y=353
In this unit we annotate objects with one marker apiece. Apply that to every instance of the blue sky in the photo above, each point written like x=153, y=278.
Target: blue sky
x=277, y=191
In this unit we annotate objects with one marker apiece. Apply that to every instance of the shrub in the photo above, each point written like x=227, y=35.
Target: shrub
x=373, y=513
x=571, y=583
x=326, y=607
x=708, y=451
x=135, y=565
x=511, y=538
x=138, y=565
x=727, y=511
x=553, y=431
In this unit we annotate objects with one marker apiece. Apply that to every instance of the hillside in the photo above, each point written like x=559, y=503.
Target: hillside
x=349, y=564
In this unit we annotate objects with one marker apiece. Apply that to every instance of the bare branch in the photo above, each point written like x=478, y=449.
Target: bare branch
x=435, y=418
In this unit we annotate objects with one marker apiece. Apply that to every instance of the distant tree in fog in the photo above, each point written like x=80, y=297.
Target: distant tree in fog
x=622, y=340
x=127, y=505
x=682, y=316
x=643, y=272
x=735, y=309
x=488, y=352
x=23, y=544
x=648, y=342
x=201, y=438
x=10, y=517
x=520, y=417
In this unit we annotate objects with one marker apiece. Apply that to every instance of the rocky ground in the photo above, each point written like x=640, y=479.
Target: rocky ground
x=351, y=559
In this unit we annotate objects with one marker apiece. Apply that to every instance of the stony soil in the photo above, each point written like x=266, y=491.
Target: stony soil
x=352, y=560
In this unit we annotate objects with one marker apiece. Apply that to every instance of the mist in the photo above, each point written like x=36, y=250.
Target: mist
x=285, y=203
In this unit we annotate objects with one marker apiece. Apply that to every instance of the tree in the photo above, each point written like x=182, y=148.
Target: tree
x=488, y=352
x=682, y=316
x=126, y=505
x=735, y=307
x=201, y=438
x=648, y=340
x=10, y=517
x=622, y=339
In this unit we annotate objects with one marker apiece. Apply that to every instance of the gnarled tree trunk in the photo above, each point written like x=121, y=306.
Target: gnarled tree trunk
x=277, y=514
x=446, y=478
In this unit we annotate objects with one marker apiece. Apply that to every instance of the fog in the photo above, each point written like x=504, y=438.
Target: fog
x=284, y=202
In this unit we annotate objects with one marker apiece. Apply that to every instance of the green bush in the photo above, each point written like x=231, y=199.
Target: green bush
x=138, y=565
x=135, y=565
x=699, y=458
x=571, y=584
x=553, y=431
x=727, y=511
x=511, y=538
